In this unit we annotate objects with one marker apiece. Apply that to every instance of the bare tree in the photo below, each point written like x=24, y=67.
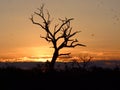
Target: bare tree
x=61, y=33
x=85, y=60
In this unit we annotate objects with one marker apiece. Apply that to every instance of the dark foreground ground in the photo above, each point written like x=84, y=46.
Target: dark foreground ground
x=74, y=79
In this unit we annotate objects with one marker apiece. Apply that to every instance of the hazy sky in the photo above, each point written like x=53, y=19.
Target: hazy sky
x=99, y=21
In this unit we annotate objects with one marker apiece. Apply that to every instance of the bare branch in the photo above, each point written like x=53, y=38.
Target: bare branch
x=65, y=54
x=69, y=31
x=64, y=22
x=72, y=46
x=32, y=19
x=46, y=38
x=41, y=10
x=48, y=18
x=62, y=45
x=86, y=60
x=55, y=27
x=74, y=41
x=71, y=35
x=46, y=21
x=59, y=37
x=41, y=14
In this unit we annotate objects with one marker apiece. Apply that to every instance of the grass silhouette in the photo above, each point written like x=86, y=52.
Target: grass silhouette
x=75, y=78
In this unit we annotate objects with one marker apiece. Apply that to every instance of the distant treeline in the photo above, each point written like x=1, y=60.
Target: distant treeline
x=75, y=78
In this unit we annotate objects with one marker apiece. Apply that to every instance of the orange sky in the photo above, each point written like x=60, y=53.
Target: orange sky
x=99, y=21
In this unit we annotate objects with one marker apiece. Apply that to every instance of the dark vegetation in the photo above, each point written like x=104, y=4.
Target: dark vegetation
x=75, y=78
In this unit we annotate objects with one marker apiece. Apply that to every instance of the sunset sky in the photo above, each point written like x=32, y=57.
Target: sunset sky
x=99, y=21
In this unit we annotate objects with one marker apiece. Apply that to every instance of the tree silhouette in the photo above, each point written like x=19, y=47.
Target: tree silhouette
x=61, y=33
x=85, y=60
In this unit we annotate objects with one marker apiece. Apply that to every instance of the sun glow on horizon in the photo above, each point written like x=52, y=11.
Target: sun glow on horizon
x=48, y=57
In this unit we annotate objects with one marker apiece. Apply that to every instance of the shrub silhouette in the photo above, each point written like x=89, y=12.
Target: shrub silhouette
x=12, y=78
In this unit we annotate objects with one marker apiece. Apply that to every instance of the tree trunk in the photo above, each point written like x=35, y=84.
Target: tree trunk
x=54, y=58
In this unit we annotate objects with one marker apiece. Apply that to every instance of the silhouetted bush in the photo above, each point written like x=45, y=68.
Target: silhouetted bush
x=94, y=78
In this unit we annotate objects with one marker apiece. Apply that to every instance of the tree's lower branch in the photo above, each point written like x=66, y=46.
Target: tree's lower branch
x=65, y=54
x=46, y=38
x=72, y=46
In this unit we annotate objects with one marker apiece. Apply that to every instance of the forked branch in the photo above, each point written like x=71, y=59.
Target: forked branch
x=46, y=22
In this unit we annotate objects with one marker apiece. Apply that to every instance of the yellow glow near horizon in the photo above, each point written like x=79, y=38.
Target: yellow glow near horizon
x=42, y=55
